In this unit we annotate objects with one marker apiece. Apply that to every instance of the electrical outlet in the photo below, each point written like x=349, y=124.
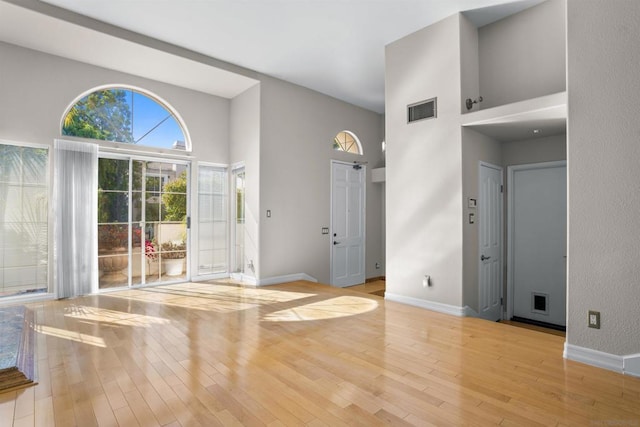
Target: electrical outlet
x=377, y=265
x=426, y=281
x=594, y=319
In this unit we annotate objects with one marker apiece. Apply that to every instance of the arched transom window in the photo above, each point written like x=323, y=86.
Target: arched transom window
x=125, y=115
x=347, y=141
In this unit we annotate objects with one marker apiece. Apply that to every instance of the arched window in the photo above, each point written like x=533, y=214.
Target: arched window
x=128, y=116
x=347, y=141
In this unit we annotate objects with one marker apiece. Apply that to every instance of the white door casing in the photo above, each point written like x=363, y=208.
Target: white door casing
x=490, y=241
x=347, y=224
x=537, y=230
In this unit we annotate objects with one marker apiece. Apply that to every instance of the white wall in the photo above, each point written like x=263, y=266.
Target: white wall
x=520, y=56
x=282, y=132
x=423, y=164
x=297, y=130
x=38, y=88
x=245, y=149
x=469, y=64
x=536, y=150
x=603, y=173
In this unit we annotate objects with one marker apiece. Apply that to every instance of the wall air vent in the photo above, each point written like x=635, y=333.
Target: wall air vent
x=422, y=110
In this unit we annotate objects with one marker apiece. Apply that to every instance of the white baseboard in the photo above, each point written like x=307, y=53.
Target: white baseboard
x=631, y=364
x=286, y=278
x=430, y=305
x=252, y=281
x=594, y=357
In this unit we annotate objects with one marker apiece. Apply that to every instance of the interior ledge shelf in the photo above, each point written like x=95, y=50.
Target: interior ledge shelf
x=543, y=116
x=549, y=106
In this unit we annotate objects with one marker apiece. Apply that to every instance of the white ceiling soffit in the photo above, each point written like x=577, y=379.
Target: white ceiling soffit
x=33, y=30
x=335, y=47
x=487, y=15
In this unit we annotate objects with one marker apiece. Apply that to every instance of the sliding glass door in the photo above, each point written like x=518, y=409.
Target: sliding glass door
x=142, y=221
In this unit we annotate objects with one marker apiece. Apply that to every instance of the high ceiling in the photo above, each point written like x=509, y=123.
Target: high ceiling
x=332, y=46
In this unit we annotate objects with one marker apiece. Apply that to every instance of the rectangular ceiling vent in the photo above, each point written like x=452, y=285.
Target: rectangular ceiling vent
x=422, y=110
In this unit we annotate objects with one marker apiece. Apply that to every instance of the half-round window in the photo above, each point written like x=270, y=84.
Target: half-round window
x=128, y=116
x=347, y=141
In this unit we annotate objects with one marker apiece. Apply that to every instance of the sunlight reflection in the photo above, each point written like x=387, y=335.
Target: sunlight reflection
x=111, y=316
x=210, y=297
x=327, y=309
x=71, y=335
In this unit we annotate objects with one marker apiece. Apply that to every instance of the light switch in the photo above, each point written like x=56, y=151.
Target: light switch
x=268, y=213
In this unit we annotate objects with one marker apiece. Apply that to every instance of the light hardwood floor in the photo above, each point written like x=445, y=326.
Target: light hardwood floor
x=300, y=354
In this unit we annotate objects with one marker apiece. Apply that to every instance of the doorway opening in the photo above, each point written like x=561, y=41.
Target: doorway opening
x=142, y=221
x=239, y=220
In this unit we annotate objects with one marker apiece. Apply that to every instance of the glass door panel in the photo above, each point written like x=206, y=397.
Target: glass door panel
x=113, y=222
x=212, y=220
x=142, y=212
x=170, y=230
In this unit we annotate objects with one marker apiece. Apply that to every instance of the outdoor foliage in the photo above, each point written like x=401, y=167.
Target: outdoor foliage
x=103, y=115
x=175, y=198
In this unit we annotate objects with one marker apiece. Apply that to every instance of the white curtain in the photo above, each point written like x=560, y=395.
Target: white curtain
x=75, y=212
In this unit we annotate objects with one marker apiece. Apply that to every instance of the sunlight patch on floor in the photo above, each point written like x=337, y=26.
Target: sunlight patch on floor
x=328, y=309
x=70, y=335
x=110, y=316
x=210, y=297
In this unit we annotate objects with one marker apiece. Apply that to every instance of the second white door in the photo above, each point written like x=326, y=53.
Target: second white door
x=538, y=241
x=347, y=224
x=490, y=238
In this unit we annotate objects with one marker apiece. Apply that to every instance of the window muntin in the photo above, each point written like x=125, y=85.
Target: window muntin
x=127, y=116
x=24, y=200
x=348, y=142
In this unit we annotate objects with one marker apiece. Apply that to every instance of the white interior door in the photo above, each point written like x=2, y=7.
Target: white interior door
x=538, y=241
x=490, y=239
x=347, y=224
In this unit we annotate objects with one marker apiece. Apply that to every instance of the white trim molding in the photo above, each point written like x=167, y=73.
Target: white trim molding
x=432, y=305
x=628, y=365
x=600, y=359
x=631, y=365
x=286, y=278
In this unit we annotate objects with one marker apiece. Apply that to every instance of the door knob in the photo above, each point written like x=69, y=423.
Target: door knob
x=482, y=257
x=336, y=243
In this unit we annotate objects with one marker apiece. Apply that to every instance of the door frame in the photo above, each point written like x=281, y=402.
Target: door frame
x=364, y=216
x=233, y=261
x=132, y=156
x=510, y=209
x=482, y=164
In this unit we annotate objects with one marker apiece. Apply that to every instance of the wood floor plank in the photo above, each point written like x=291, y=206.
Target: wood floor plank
x=207, y=354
